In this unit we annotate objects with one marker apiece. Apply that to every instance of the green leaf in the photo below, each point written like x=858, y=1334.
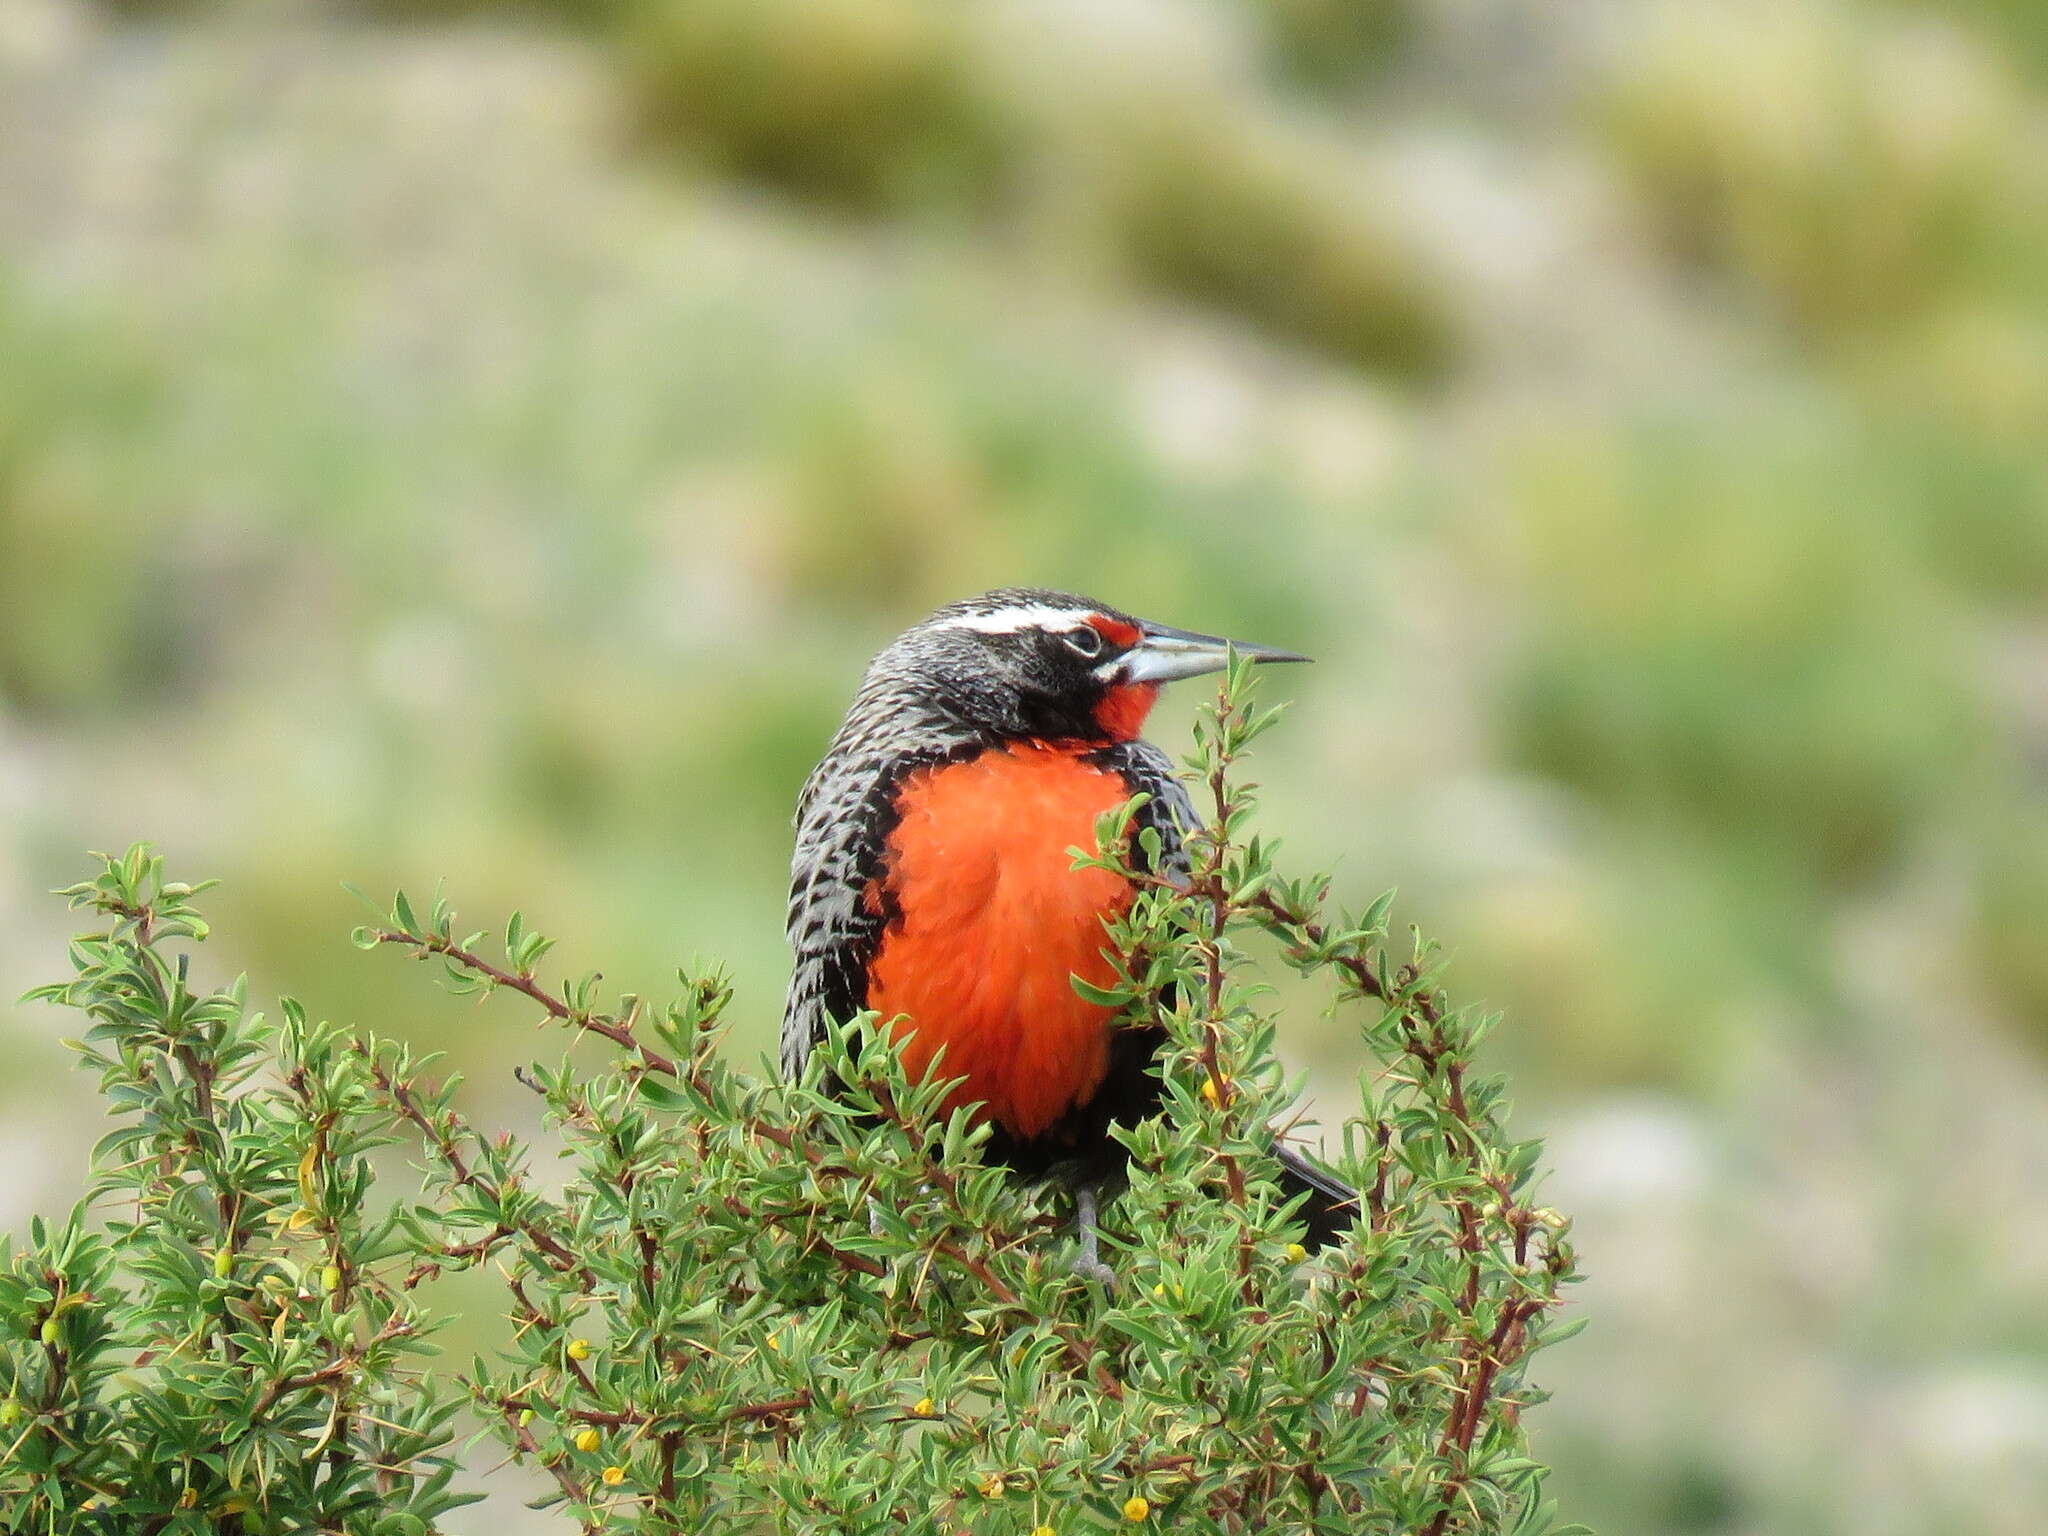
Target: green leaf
x=1101, y=997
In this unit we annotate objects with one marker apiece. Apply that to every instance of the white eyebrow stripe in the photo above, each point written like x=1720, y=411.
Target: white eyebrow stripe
x=1007, y=621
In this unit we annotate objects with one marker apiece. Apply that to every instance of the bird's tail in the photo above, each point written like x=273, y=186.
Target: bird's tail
x=1331, y=1206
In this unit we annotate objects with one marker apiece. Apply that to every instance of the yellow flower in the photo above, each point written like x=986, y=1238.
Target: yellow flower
x=993, y=1486
x=1136, y=1508
x=613, y=1476
x=1296, y=1253
x=1212, y=1095
x=1044, y=1530
x=579, y=1349
x=923, y=1408
x=775, y=1342
x=586, y=1440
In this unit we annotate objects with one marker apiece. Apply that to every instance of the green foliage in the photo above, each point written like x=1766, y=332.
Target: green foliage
x=803, y=1305
x=1190, y=186
x=1787, y=699
x=1849, y=205
x=83, y=613
x=1226, y=208
x=2019, y=26
x=2013, y=901
x=869, y=103
x=227, y=1347
x=1334, y=43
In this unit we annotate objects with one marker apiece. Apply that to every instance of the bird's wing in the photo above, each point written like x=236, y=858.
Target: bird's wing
x=1168, y=810
x=837, y=907
x=841, y=836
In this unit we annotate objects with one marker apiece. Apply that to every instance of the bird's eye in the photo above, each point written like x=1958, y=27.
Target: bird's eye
x=1085, y=641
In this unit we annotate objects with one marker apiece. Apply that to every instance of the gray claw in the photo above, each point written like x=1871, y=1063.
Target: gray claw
x=1088, y=1262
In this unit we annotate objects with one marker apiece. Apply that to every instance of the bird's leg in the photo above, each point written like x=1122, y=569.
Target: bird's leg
x=1088, y=1262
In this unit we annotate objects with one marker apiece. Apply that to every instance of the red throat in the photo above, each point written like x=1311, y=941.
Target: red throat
x=1123, y=709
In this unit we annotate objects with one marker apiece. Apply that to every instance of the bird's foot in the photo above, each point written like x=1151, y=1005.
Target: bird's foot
x=1088, y=1262
x=1090, y=1268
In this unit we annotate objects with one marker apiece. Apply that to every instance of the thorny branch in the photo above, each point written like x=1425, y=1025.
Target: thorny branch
x=614, y=1030
x=1482, y=1358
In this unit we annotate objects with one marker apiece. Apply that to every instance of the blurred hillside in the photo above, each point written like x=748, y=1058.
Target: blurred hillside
x=485, y=440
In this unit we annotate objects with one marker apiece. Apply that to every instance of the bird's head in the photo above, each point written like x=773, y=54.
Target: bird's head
x=1026, y=663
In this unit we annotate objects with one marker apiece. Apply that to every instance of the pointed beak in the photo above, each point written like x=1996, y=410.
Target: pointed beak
x=1165, y=655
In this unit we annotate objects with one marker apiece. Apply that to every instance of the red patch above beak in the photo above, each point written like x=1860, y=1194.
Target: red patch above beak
x=1119, y=634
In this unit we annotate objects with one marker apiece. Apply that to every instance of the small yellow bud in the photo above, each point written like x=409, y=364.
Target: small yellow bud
x=1212, y=1095
x=993, y=1486
x=1296, y=1253
x=775, y=1342
x=1136, y=1508
x=223, y=1263
x=1159, y=1291
x=579, y=1349
x=48, y=1332
x=586, y=1440
x=923, y=1408
x=613, y=1476
x=525, y=1417
x=330, y=1278
x=189, y=1499
x=89, y=1504
x=1043, y=1530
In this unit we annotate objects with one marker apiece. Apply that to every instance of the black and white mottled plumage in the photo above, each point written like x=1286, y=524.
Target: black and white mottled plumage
x=979, y=672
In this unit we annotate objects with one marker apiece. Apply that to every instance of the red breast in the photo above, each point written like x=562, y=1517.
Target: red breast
x=990, y=922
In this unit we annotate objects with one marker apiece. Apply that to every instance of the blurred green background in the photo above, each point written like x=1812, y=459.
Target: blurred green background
x=486, y=440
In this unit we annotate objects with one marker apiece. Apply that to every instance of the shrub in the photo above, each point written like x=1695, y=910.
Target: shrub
x=1848, y=169
x=867, y=103
x=1190, y=187
x=759, y=1306
x=1267, y=222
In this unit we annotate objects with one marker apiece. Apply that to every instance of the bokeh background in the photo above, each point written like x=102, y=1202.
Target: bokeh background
x=485, y=440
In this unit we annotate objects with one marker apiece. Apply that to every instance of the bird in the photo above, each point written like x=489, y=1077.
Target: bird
x=932, y=880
